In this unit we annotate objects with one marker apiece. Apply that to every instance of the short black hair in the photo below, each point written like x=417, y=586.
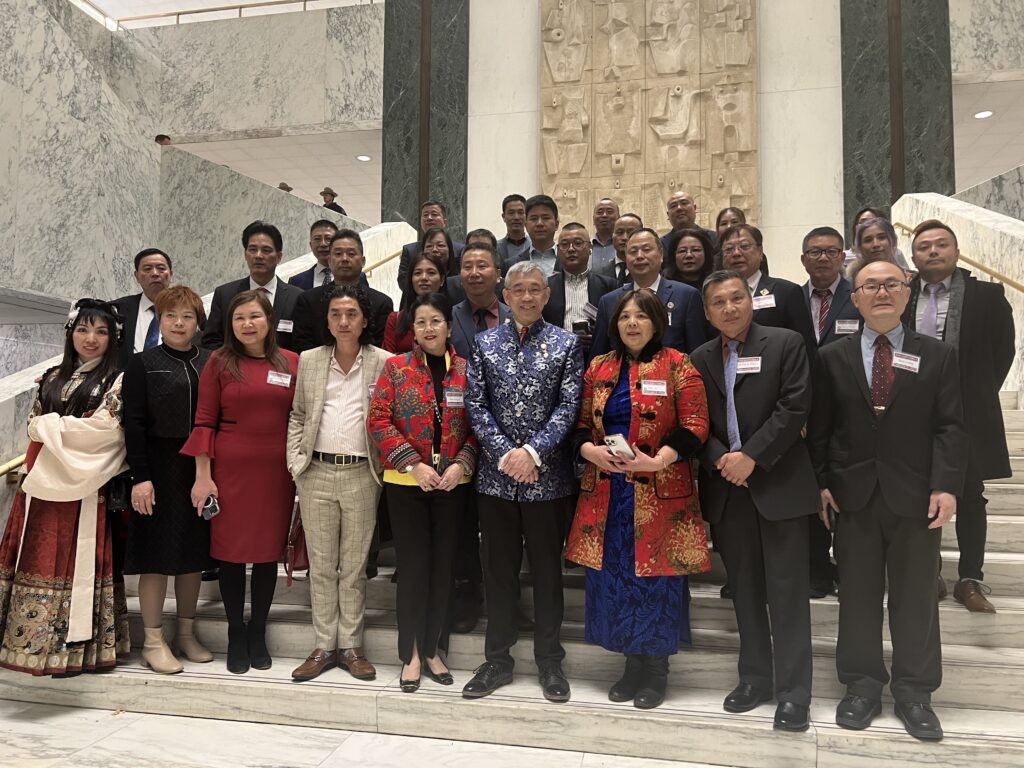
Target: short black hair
x=738, y=229
x=322, y=223
x=716, y=278
x=649, y=231
x=481, y=232
x=438, y=301
x=651, y=306
x=262, y=228
x=574, y=225
x=362, y=298
x=631, y=215
x=425, y=203
x=348, y=234
x=483, y=247
x=513, y=198
x=152, y=252
x=822, y=232
x=538, y=200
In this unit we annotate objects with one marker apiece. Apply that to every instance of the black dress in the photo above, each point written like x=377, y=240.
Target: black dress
x=160, y=388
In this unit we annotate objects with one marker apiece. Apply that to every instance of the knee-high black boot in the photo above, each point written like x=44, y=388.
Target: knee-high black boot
x=652, y=692
x=261, y=591
x=232, y=593
x=631, y=680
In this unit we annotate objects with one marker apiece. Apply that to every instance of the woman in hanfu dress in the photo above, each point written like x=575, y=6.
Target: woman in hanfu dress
x=58, y=611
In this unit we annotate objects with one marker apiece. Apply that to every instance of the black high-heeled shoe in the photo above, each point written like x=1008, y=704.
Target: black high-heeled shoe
x=410, y=686
x=443, y=678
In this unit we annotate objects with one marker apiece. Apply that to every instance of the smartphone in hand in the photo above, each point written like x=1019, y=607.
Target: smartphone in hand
x=619, y=445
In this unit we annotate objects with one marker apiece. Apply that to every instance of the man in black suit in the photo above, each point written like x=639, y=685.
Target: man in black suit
x=432, y=214
x=681, y=209
x=617, y=269
x=515, y=241
x=153, y=273
x=686, y=330
x=577, y=289
x=974, y=318
x=757, y=487
x=887, y=441
x=346, y=260
x=263, y=246
x=541, y=226
x=320, y=235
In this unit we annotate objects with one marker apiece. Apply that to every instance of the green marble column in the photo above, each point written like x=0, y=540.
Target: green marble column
x=927, y=114
x=446, y=113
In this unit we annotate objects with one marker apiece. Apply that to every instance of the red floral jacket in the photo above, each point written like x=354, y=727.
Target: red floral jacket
x=401, y=416
x=670, y=537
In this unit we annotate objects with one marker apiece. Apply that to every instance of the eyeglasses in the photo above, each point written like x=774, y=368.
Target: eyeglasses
x=522, y=290
x=891, y=286
x=695, y=250
x=743, y=247
x=577, y=244
x=817, y=253
x=422, y=325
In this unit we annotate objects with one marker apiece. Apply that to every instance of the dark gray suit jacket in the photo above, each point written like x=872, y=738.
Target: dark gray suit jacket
x=464, y=326
x=284, y=307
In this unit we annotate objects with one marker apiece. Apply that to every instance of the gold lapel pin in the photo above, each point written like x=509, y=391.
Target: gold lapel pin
x=764, y=291
x=671, y=305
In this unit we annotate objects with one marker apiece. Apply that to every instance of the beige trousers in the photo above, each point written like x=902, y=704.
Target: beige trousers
x=339, y=512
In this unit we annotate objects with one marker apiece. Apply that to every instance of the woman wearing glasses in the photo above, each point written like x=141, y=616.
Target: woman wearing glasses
x=418, y=421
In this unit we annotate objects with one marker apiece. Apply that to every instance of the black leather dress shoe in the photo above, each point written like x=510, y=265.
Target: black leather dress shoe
x=857, y=712
x=487, y=678
x=745, y=697
x=726, y=591
x=791, y=717
x=553, y=683
x=919, y=720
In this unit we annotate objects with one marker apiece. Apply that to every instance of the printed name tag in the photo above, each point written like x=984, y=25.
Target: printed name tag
x=279, y=379
x=284, y=326
x=590, y=311
x=654, y=387
x=453, y=399
x=764, y=302
x=905, y=361
x=748, y=365
x=847, y=326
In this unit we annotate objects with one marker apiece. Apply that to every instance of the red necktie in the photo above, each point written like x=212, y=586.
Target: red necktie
x=825, y=302
x=522, y=334
x=882, y=373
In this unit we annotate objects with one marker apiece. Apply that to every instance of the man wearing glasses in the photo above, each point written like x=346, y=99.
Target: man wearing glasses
x=827, y=292
x=887, y=444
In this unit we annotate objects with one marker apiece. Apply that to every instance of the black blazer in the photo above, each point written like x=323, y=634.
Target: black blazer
x=610, y=270
x=916, y=446
x=790, y=310
x=285, y=298
x=771, y=407
x=411, y=249
x=464, y=326
x=597, y=286
x=686, y=329
x=985, y=355
x=304, y=280
x=311, y=325
x=842, y=308
x=129, y=306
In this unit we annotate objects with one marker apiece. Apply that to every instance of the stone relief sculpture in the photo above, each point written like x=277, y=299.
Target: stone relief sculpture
x=643, y=98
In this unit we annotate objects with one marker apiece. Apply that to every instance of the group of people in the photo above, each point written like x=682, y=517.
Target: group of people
x=596, y=399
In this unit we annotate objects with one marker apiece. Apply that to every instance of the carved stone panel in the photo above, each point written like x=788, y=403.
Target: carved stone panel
x=644, y=98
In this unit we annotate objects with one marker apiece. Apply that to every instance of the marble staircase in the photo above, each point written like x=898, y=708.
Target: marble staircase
x=980, y=703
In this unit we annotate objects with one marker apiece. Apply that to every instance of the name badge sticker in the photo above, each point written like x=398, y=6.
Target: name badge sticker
x=279, y=379
x=654, y=387
x=285, y=326
x=748, y=365
x=847, y=326
x=454, y=398
x=764, y=302
x=590, y=311
x=906, y=362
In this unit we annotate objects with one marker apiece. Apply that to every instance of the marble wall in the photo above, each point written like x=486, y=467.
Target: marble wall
x=1003, y=194
x=986, y=40
x=25, y=344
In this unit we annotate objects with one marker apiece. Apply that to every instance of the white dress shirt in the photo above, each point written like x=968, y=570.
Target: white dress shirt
x=577, y=296
x=816, y=304
x=147, y=311
x=343, y=420
x=270, y=288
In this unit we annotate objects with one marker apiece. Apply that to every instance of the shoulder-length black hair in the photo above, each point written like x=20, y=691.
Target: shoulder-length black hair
x=86, y=397
x=651, y=306
x=232, y=351
x=362, y=298
x=404, y=321
x=671, y=271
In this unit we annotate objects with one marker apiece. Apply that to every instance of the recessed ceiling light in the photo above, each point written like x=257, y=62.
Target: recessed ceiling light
x=366, y=158
x=985, y=113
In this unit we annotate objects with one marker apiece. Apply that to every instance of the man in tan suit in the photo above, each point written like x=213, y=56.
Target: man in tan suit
x=338, y=475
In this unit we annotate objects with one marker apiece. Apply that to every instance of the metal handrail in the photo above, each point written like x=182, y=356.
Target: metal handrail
x=369, y=269
x=176, y=15
x=12, y=465
x=971, y=262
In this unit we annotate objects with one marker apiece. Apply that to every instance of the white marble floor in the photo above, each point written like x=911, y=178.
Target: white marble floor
x=47, y=736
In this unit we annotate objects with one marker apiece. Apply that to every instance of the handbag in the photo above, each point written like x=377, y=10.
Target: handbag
x=296, y=557
x=119, y=492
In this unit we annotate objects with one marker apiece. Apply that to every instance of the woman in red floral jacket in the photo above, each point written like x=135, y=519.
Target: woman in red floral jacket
x=638, y=527
x=418, y=420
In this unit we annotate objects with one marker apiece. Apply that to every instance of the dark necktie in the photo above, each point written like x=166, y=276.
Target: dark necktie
x=481, y=320
x=328, y=278
x=153, y=332
x=620, y=272
x=522, y=334
x=882, y=373
x=825, y=303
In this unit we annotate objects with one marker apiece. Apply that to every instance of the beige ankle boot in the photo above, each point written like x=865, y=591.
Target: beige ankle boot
x=187, y=643
x=156, y=655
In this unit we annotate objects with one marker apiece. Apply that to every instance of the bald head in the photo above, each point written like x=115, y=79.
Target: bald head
x=682, y=210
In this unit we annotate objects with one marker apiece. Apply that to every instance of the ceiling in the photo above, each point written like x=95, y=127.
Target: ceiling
x=309, y=163
x=987, y=148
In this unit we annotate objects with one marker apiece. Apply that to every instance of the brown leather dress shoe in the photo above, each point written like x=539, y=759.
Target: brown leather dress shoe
x=971, y=594
x=356, y=663
x=318, y=662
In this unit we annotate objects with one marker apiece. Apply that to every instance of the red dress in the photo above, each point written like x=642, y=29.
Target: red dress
x=392, y=341
x=243, y=426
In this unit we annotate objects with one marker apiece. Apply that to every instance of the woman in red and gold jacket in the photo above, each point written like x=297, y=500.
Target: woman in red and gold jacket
x=638, y=527
x=418, y=421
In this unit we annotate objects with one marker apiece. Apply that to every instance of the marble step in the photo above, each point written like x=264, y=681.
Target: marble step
x=1004, y=571
x=690, y=724
x=986, y=678
x=1005, y=533
x=1017, y=468
x=1013, y=420
x=1008, y=399
x=1015, y=440
x=1004, y=498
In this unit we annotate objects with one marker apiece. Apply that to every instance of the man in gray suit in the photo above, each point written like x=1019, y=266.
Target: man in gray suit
x=515, y=241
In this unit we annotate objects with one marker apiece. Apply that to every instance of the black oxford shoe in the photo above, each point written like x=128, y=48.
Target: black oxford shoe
x=554, y=684
x=488, y=678
x=745, y=697
x=791, y=717
x=857, y=712
x=919, y=720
